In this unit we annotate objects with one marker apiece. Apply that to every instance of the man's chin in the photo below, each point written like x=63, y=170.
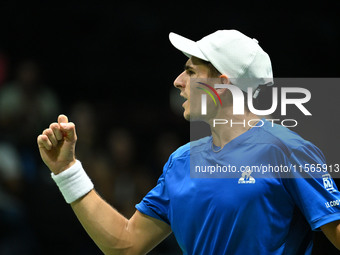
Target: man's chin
x=186, y=116
x=192, y=117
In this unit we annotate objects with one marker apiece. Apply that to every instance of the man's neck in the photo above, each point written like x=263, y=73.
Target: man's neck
x=226, y=129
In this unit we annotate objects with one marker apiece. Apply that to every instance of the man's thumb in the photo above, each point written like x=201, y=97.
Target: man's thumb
x=68, y=128
x=69, y=131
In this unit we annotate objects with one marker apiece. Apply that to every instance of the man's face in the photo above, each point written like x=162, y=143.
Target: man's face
x=193, y=69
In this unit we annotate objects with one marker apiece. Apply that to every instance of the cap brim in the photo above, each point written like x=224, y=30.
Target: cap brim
x=188, y=47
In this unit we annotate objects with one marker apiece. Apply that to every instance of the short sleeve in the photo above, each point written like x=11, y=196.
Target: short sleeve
x=156, y=203
x=313, y=191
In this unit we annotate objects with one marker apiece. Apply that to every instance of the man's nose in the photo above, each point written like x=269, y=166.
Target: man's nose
x=180, y=81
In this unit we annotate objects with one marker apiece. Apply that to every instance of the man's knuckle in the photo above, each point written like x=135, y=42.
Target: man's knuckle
x=46, y=131
x=53, y=125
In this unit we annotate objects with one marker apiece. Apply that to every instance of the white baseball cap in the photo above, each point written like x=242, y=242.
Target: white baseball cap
x=232, y=53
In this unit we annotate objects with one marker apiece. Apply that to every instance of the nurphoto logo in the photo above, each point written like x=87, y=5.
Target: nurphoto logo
x=296, y=96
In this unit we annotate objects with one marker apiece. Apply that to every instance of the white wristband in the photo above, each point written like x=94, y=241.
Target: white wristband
x=73, y=182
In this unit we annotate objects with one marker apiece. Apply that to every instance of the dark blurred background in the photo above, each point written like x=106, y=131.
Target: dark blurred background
x=109, y=66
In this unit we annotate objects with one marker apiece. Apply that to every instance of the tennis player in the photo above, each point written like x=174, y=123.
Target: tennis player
x=250, y=213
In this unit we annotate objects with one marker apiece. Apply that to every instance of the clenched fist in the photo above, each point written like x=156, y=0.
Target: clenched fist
x=57, y=145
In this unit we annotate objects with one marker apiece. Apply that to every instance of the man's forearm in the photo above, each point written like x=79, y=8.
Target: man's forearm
x=105, y=225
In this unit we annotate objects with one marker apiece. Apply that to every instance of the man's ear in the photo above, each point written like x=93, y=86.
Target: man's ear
x=224, y=80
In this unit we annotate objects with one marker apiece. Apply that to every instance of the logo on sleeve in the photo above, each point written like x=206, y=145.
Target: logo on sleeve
x=328, y=183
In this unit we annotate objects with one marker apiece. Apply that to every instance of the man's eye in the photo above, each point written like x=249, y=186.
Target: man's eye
x=189, y=72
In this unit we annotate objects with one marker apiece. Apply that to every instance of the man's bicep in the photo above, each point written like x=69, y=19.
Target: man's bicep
x=147, y=231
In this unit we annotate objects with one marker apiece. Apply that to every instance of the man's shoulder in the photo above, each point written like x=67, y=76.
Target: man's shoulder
x=186, y=149
x=283, y=138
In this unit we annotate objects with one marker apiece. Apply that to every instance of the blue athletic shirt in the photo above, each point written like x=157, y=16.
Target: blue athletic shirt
x=245, y=212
